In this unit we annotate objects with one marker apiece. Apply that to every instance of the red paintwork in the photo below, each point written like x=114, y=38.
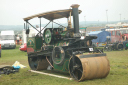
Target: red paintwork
x=23, y=47
x=116, y=37
x=126, y=36
x=0, y=46
x=29, y=50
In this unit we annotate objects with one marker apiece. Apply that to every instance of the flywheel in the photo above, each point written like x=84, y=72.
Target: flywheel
x=58, y=55
x=47, y=36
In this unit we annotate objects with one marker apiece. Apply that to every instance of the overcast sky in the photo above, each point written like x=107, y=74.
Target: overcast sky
x=12, y=12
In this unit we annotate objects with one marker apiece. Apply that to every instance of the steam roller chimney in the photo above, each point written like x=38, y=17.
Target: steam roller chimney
x=75, y=17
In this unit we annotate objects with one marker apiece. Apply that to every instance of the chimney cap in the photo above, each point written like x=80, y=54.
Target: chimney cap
x=75, y=5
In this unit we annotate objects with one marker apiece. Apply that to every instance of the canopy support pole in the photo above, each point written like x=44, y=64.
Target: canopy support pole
x=33, y=27
x=44, y=27
x=40, y=26
x=59, y=24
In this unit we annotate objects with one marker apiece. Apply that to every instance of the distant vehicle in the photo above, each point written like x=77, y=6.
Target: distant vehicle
x=23, y=47
x=116, y=30
x=8, y=39
x=125, y=42
x=0, y=50
x=0, y=46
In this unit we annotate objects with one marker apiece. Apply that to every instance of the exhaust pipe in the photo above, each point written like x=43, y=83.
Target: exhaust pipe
x=75, y=17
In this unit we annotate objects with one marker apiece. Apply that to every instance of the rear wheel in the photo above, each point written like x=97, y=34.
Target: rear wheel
x=107, y=48
x=119, y=46
x=37, y=62
x=33, y=62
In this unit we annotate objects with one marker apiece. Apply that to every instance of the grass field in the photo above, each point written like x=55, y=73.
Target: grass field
x=118, y=73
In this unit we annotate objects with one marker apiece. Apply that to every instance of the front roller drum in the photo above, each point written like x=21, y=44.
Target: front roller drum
x=37, y=63
x=86, y=68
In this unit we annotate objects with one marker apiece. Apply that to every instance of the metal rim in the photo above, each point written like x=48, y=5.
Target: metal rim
x=58, y=55
x=120, y=46
x=107, y=48
x=76, y=70
x=33, y=62
x=47, y=36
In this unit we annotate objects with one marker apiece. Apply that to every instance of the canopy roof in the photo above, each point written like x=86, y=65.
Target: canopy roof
x=52, y=14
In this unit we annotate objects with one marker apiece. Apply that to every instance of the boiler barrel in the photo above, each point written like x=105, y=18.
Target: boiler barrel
x=91, y=67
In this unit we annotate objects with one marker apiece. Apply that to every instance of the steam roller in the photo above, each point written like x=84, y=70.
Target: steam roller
x=65, y=49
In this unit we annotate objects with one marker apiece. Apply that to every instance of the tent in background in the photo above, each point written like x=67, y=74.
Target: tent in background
x=101, y=36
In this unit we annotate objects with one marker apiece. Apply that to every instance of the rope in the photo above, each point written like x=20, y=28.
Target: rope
x=49, y=62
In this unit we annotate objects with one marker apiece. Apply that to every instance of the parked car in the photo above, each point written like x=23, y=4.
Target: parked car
x=0, y=50
x=23, y=47
x=8, y=39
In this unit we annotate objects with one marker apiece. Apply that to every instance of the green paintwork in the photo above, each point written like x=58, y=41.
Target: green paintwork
x=63, y=34
x=47, y=36
x=63, y=67
x=35, y=43
x=31, y=42
x=127, y=45
x=39, y=42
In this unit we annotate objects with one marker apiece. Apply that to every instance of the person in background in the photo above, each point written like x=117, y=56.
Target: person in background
x=124, y=37
x=18, y=39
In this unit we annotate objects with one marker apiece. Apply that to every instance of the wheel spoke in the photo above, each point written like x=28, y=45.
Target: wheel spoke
x=79, y=66
x=80, y=70
x=74, y=75
x=76, y=68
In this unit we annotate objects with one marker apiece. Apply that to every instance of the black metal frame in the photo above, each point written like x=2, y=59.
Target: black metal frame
x=40, y=25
